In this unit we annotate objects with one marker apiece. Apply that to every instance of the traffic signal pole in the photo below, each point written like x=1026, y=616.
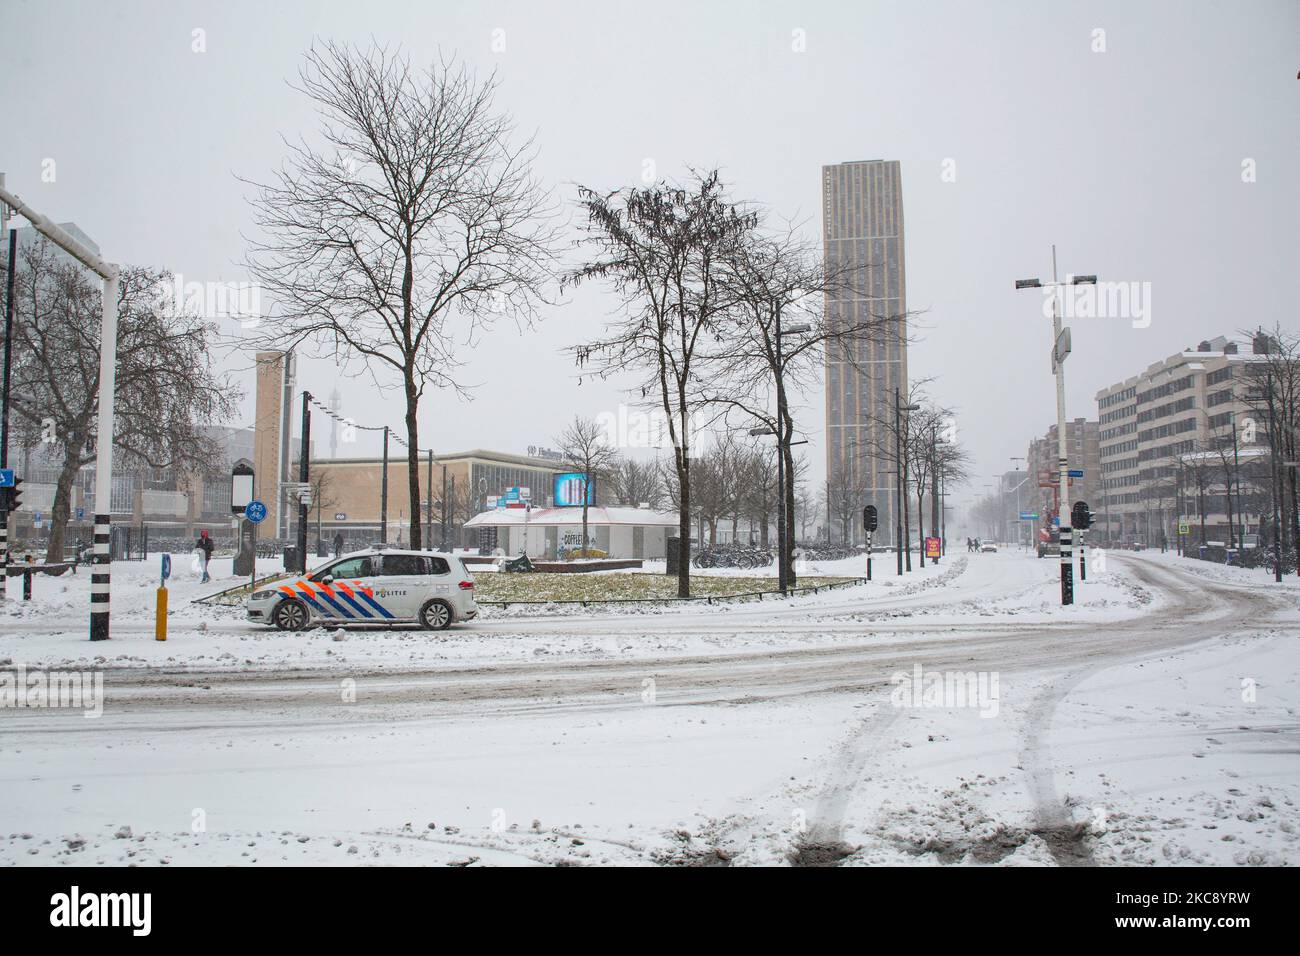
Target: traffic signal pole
x=304, y=478
x=1060, y=349
x=6, y=494
x=1062, y=449
x=108, y=271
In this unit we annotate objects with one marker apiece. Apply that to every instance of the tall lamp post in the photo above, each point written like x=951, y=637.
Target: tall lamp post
x=784, y=430
x=782, y=542
x=1060, y=349
x=937, y=485
x=899, y=408
x=101, y=575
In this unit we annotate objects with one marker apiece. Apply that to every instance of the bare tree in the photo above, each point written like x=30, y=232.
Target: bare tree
x=1227, y=450
x=896, y=442
x=717, y=478
x=1270, y=387
x=1196, y=471
x=663, y=250
x=585, y=450
x=807, y=505
x=455, y=508
x=166, y=391
x=633, y=482
x=844, y=497
x=412, y=225
x=322, y=498
x=777, y=340
x=934, y=457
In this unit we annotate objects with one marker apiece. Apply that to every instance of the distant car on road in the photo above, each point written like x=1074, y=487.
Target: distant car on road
x=987, y=547
x=371, y=587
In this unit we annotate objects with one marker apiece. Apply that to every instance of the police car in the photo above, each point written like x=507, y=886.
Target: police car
x=431, y=589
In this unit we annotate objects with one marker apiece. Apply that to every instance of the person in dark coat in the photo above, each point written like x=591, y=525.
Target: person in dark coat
x=338, y=544
x=205, y=548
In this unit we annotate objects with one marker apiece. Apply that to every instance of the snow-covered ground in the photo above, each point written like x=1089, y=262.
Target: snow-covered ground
x=955, y=715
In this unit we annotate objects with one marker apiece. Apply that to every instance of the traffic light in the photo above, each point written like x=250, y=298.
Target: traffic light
x=13, y=495
x=869, y=518
x=1080, y=516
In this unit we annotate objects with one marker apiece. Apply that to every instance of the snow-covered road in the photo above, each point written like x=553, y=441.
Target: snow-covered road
x=958, y=715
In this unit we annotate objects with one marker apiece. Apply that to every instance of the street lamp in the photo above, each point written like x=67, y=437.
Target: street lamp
x=881, y=472
x=1060, y=349
x=899, y=408
x=782, y=544
x=1019, y=520
x=939, y=486
x=782, y=443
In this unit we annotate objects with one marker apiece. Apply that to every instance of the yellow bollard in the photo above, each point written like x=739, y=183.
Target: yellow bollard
x=160, y=617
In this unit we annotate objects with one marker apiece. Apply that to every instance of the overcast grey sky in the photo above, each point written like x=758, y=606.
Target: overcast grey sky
x=1130, y=160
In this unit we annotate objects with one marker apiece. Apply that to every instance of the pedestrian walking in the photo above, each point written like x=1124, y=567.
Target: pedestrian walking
x=205, y=548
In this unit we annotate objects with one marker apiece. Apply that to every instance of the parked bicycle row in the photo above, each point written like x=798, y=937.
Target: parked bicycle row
x=744, y=558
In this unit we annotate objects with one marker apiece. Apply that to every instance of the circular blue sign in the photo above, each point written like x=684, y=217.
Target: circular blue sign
x=166, y=566
x=255, y=511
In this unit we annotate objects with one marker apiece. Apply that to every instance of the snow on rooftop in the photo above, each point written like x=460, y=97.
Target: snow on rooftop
x=573, y=516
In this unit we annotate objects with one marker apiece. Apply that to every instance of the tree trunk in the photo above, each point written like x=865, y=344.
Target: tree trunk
x=583, y=545
x=413, y=462
x=906, y=543
x=920, y=520
x=62, y=506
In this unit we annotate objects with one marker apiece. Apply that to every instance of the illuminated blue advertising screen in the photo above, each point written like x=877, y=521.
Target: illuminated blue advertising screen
x=570, y=489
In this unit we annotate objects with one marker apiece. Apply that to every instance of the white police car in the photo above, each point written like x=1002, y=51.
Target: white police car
x=431, y=589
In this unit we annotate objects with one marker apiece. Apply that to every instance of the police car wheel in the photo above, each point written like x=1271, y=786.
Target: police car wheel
x=435, y=615
x=291, y=616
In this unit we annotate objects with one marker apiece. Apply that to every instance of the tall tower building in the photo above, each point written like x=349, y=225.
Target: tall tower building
x=273, y=436
x=862, y=224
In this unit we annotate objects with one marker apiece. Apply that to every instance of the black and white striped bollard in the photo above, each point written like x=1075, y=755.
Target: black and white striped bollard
x=100, y=574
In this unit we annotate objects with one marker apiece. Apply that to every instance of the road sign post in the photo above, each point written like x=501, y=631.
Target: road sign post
x=160, y=609
x=254, y=514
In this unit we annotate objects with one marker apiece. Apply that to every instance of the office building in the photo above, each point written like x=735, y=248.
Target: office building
x=862, y=224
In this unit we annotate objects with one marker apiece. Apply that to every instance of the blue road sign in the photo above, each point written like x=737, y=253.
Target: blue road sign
x=255, y=512
x=81, y=513
x=1029, y=516
x=1056, y=522
x=166, y=566
x=1076, y=472
x=6, y=477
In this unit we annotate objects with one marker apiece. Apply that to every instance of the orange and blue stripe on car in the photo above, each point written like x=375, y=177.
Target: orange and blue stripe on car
x=345, y=593
x=327, y=596
x=309, y=596
x=367, y=595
